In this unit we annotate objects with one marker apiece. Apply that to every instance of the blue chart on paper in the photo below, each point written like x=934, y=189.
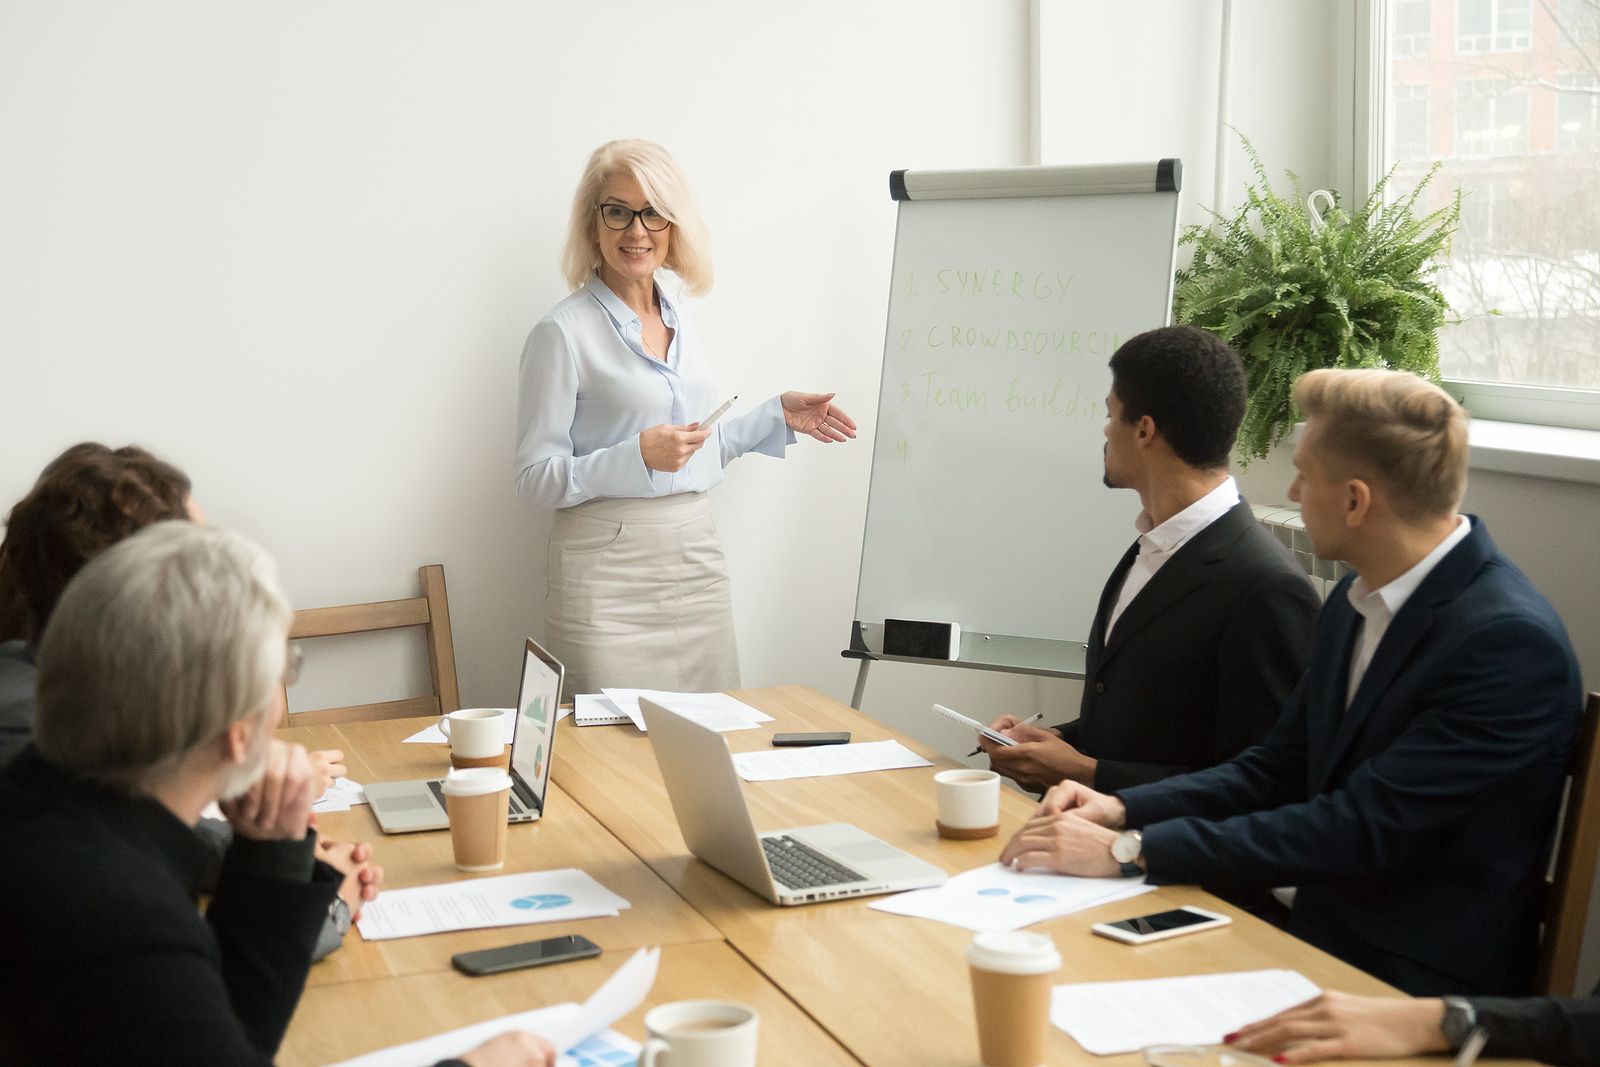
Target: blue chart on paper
x=605, y=1049
x=542, y=901
x=1020, y=898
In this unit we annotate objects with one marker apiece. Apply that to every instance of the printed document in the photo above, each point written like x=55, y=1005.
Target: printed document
x=1112, y=1017
x=998, y=898
x=771, y=765
x=506, y=900
x=581, y=1031
x=341, y=794
x=714, y=711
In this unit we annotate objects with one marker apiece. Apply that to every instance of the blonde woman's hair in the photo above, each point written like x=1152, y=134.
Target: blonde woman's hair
x=1393, y=429
x=657, y=173
x=157, y=646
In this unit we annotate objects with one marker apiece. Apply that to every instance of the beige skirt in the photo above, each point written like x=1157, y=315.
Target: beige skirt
x=638, y=596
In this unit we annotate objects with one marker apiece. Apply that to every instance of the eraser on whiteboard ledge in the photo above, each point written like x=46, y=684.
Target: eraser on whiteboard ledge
x=924, y=640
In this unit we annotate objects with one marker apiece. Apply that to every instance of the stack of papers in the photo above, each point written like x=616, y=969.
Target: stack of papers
x=714, y=711
x=1112, y=1017
x=579, y=1030
x=999, y=898
x=778, y=763
x=341, y=794
x=506, y=900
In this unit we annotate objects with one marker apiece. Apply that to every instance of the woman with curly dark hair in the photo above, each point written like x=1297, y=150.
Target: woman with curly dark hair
x=87, y=499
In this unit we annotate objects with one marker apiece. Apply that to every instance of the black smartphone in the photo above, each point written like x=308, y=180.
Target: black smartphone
x=527, y=954
x=805, y=740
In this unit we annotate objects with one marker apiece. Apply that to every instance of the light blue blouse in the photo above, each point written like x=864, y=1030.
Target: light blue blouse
x=587, y=388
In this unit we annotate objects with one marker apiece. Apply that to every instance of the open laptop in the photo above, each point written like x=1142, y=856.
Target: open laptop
x=402, y=807
x=799, y=866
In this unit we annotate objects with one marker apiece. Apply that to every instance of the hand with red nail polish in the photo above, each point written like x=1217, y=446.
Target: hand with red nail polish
x=1343, y=1026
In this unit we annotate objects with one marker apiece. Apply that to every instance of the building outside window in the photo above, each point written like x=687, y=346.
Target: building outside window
x=1506, y=93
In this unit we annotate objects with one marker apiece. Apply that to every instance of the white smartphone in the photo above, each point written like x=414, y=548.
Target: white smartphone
x=705, y=423
x=1161, y=925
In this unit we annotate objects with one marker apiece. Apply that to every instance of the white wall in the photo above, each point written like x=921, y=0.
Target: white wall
x=296, y=247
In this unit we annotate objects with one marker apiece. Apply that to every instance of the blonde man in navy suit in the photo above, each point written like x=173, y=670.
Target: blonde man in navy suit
x=1411, y=786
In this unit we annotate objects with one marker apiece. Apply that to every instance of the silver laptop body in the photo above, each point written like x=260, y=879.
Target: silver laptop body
x=404, y=807
x=709, y=804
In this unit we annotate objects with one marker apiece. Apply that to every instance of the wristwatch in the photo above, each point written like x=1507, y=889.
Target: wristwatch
x=1460, y=1018
x=339, y=915
x=1126, y=850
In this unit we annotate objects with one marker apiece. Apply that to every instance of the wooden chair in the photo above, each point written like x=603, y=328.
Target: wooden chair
x=1567, y=910
x=431, y=610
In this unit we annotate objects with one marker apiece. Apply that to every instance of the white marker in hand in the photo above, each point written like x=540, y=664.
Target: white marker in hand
x=705, y=423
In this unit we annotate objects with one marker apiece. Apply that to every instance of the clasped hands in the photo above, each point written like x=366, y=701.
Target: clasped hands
x=1070, y=832
x=668, y=448
x=278, y=808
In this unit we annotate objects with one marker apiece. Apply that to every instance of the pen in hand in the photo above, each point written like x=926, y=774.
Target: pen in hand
x=1025, y=722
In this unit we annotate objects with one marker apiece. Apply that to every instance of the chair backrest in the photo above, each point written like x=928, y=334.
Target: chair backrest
x=431, y=610
x=1567, y=911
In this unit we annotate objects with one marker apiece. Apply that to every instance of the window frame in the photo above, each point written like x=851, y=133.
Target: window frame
x=1359, y=156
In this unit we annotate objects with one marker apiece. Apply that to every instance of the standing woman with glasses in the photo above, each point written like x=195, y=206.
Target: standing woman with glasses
x=612, y=390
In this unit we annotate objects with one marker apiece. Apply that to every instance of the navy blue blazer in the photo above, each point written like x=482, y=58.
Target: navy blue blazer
x=1418, y=822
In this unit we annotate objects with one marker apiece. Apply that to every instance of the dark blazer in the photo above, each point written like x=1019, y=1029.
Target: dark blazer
x=106, y=956
x=1417, y=823
x=1560, y=1030
x=1201, y=661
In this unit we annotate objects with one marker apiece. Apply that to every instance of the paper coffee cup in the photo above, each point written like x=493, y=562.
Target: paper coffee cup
x=475, y=734
x=1011, y=975
x=968, y=803
x=477, y=802
x=700, y=1033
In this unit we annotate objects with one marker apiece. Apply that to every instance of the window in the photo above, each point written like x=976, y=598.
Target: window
x=1410, y=119
x=1493, y=26
x=1578, y=114
x=1491, y=119
x=1514, y=113
x=1413, y=27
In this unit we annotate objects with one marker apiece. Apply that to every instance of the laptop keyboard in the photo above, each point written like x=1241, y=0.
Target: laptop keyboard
x=437, y=788
x=796, y=865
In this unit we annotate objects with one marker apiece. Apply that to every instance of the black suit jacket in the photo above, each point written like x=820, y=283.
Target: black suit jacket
x=1418, y=822
x=1201, y=661
x=106, y=956
x=1560, y=1030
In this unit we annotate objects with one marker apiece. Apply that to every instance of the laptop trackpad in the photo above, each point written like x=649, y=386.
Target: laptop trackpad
x=410, y=802
x=866, y=851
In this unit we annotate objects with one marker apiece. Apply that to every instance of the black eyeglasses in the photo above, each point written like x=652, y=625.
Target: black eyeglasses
x=620, y=217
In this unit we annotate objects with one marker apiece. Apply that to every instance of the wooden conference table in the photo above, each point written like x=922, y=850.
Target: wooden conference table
x=834, y=982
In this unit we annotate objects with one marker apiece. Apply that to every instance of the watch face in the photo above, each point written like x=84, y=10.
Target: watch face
x=1126, y=848
x=339, y=912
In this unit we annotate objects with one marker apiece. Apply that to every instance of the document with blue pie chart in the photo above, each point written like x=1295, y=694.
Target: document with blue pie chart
x=999, y=898
x=504, y=900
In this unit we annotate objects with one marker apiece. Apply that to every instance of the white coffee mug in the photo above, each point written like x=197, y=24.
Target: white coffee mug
x=968, y=802
x=700, y=1033
x=475, y=733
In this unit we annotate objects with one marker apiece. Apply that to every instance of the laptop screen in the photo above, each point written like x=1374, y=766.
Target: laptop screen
x=536, y=723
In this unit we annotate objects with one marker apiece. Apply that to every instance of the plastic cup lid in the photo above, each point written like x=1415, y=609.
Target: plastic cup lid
x=475, y=781
x=1013, y=952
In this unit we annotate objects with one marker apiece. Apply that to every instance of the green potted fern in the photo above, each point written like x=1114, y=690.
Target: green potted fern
x=1293, y=291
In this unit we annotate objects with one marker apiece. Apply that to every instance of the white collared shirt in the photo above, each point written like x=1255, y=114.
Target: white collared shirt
x=587, y=388
x=1158, y=543
x=1378, y=607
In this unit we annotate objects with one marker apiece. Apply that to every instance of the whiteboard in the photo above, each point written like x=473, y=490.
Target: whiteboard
x=1010, y=291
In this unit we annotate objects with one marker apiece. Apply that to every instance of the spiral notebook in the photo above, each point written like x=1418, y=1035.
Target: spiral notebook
x=596, y=709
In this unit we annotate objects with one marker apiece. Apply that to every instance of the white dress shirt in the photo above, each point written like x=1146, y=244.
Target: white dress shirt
x=1378, y=607
x=1158, y=543
x=587, y=388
